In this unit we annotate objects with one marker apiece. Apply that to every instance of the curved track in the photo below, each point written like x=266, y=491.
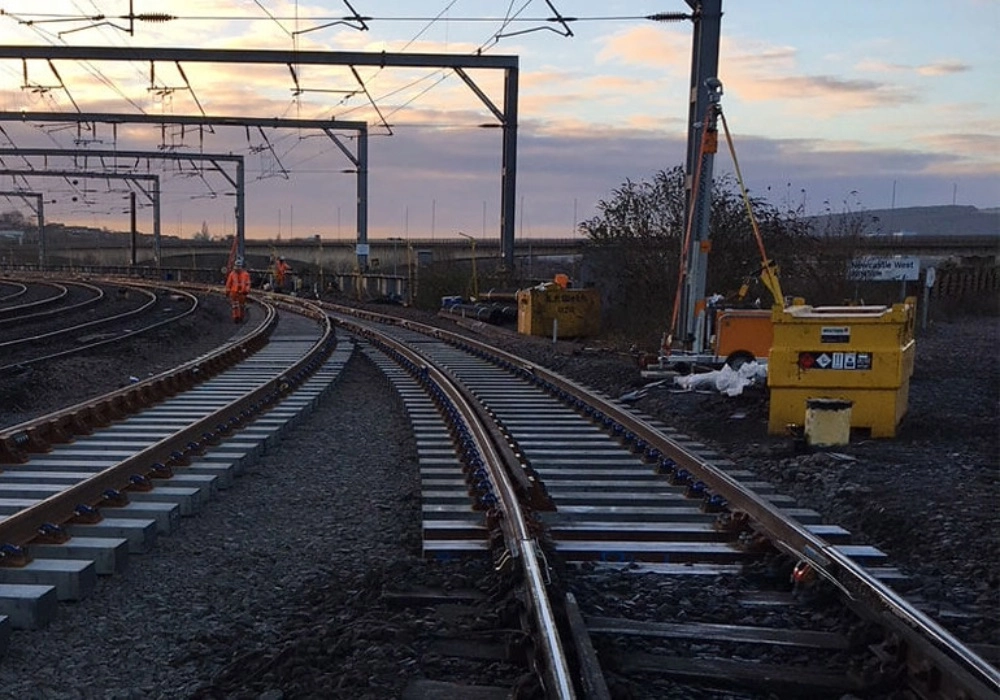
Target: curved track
x=136, y=309
x=37, y=294
x=85, y=487
x=588, y=511
x=615, y=487
x=10, y=289
x=89, y=295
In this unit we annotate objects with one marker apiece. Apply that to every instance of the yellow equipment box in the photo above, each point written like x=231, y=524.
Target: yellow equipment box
x=576, y=313
x=863, y=354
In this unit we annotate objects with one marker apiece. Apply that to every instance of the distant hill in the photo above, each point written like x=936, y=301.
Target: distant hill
x=946, y=220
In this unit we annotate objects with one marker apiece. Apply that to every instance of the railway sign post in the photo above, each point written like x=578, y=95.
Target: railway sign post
x=930, y=274
x=873, y=268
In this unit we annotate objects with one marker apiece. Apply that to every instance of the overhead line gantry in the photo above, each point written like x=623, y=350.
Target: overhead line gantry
x=154, y=197
x=239, y=183
x=507, y=115
x=328, y=126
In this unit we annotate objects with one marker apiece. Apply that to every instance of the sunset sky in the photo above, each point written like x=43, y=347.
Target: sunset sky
x=847, y=105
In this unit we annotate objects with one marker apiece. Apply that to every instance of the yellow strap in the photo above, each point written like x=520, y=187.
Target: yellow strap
x=768, y=272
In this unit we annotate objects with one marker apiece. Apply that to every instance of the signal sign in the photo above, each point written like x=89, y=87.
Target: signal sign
x=820, y=359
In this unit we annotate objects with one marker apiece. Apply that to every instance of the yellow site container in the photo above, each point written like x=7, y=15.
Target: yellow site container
x=862, y=354
x=575, y=313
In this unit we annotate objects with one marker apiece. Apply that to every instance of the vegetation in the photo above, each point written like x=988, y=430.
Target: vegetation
x=14, y=220
x=636, y=239
x=203, y=234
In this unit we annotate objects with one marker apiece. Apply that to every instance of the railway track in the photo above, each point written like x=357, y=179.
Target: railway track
x=615, y=539
x=67, y=298
x=10, y=289
x=614, y=487
x=30, y=295
x=81, y=316
x=84, y=488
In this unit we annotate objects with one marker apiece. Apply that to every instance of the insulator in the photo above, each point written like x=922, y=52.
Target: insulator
x=154, y=17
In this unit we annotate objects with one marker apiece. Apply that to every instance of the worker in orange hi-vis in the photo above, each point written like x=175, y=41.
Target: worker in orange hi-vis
x=237, y=289
x=281, y=270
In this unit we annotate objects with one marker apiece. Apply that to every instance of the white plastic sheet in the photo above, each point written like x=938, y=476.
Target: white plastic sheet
x=727, y=380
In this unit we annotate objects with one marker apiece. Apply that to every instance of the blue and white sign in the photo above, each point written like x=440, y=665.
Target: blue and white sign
x=872, y=268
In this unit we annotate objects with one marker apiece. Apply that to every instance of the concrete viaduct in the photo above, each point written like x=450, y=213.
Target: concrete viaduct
x=385, y=254
x=333, y=254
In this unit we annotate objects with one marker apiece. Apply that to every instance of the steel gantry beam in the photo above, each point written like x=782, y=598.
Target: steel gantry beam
x=328, y=126
x=154, y=197
x=238, y=184
x=508, y=64
x=39, y=213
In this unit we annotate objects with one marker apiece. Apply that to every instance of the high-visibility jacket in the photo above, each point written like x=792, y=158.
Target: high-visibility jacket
x=280, y=270
x=238, y=282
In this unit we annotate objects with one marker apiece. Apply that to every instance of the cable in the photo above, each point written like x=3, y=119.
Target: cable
x=95, y=72
x=38, y=17
x=273, y=18
x=427, y=26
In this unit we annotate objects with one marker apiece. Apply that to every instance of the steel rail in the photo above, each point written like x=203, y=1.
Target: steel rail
x=151, y=300
x=21, y=528
x=118, y=338
x=10, y=310
x=60, y=426
x=519, y=541
x=924, y=634
x=16, y=319
x=14, y=295
x=792, y=538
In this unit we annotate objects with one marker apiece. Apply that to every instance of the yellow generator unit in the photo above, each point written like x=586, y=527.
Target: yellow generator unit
x=861, y=354
x=550, y=310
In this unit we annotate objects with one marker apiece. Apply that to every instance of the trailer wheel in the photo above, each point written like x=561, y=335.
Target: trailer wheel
x=739, y=358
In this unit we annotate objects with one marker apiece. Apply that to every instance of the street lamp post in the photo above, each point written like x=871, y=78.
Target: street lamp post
x=395, y=266
x=395, y=259
x=475, y=280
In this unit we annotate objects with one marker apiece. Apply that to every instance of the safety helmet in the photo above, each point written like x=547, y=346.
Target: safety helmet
x=239, y=263
x=281, y=259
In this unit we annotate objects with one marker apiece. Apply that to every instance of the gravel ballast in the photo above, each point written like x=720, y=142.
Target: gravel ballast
x=65, y=381
x=295, y=550
x=208, y=612
x=927, y=497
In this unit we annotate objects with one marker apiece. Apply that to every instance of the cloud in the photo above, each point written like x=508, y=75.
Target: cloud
x=944, y=68
x=838, y=94
x=580, y=135
x=757, y=56
x=754, y=71
x=974, y=148
x=938, y=68
x=872, y=66
x=648, y=47
x=560, y=171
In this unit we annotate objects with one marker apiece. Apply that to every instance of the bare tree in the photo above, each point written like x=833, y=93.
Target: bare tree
x=203, y=234
x=635, y=245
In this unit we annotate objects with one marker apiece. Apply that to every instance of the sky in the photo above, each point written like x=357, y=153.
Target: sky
x=833, y=106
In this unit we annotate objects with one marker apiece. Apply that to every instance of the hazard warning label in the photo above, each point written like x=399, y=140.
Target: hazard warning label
x=820, y=359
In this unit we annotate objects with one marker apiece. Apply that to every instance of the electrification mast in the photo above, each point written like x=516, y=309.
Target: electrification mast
x=705, y=90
